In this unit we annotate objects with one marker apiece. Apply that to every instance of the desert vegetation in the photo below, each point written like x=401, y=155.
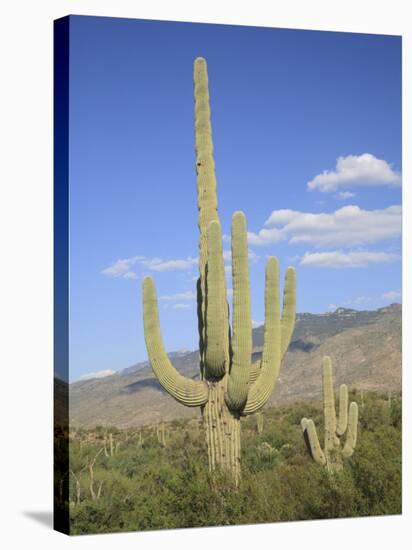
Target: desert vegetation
x=143, y=481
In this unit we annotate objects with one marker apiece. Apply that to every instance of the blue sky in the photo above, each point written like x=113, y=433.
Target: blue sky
x=307, y=136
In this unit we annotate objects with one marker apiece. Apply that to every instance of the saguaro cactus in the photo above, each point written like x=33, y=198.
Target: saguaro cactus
x=161, y=434
x=331, y=456
x=260, y=419
x=229, y=386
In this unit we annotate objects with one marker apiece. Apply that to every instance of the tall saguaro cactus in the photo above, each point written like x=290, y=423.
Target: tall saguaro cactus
x=229, y=386
x=335, y=428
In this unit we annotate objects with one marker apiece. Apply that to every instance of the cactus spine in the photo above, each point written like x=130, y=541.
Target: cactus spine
x=229, y=386
x=335, y=428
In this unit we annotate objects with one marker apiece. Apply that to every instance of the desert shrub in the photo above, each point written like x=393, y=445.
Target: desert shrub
x=376, y=468
x=374, y=414
x=396, y=414
x=154, y=487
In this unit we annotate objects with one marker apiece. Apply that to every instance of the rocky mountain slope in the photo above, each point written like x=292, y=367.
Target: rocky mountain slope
x=365, y=347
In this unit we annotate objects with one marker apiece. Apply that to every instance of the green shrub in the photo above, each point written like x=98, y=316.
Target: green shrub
x=153, y=487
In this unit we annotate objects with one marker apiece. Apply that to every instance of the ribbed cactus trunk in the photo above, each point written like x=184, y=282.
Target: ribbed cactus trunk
x=222, y=429
x=222, y=426
x=229, y=386
x=332, y=444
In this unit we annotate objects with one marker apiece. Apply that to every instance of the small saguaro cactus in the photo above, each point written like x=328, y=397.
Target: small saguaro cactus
x=230, y=385
x=260, y=419
x=161, y=434
x=334, y=429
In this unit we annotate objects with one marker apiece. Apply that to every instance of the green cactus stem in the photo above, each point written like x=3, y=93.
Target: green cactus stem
x=350, y=443
x=312, y=441
x=334, y=429
x=238, y=377
x=230, y=386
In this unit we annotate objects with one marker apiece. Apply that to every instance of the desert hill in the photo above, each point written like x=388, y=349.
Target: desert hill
x=365, y=347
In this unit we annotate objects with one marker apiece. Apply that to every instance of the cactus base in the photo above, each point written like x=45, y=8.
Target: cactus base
x=334, y=460
x=222, y=429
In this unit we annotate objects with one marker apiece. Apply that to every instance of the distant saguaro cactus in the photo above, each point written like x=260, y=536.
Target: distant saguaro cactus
x=331, y=456
x=260, y=419
x=229, y=386
x=161, y=434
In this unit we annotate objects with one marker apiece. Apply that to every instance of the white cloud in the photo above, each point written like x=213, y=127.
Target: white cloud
x=266, y=236
x=130, y=275
x=188, y=295
x=157, y=264
x=181, y=306
x=332, y=307
x=253, y=257
x=349, y=259
x=256, y=324
x=346, y=195
x=349, y=225
x=391, y=295
x=97, y=374
x=356, y=171
x=118, y=269
x=121, y=268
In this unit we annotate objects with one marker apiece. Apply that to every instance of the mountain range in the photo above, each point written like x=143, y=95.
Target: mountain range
x=365, y=347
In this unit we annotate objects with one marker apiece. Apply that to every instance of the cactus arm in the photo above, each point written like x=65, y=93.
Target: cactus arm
x=261, y=389
x=254, y=371
x=289, y=309
x=215, y=304
x=241, y=343
x=287, y=321
x=350, y=443
x=304, y=425
x=343, y=410
x=312, y=441
x=191, y=393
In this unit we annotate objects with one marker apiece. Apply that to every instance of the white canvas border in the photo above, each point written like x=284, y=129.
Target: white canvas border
x=26, y=267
